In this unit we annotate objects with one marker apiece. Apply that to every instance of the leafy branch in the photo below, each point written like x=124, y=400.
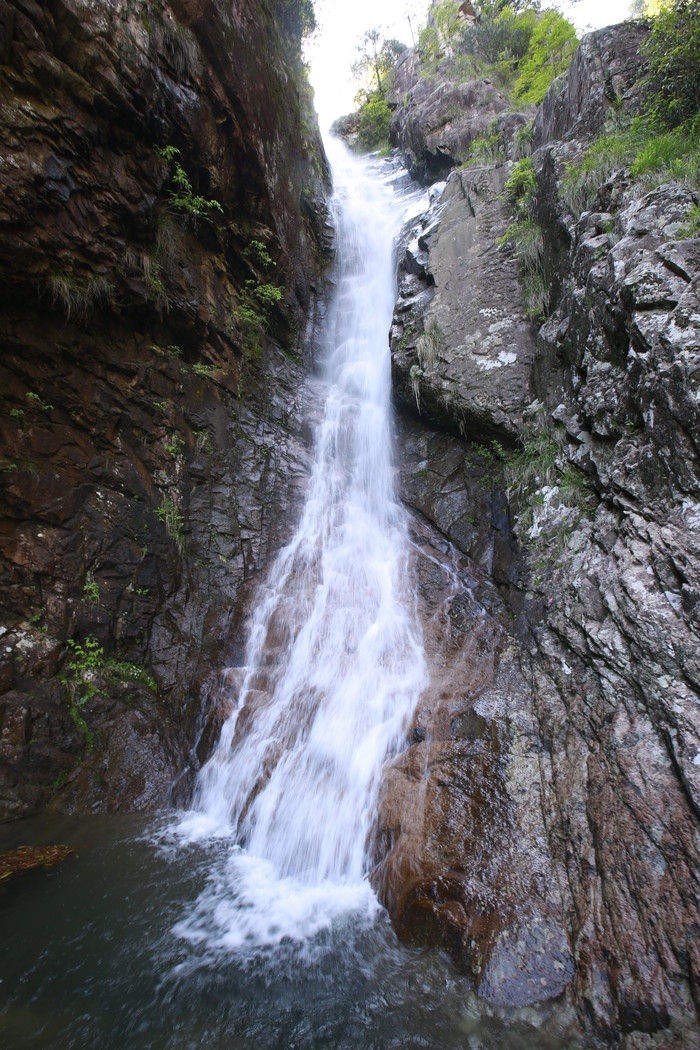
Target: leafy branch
x=182, y=196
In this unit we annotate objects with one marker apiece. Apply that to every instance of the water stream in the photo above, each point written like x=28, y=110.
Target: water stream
x=249, y=921
x=334, y=663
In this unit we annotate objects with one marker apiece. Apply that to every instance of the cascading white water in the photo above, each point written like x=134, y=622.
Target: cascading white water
x=334, y=662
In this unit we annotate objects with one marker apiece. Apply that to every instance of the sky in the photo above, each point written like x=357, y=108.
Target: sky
x=342, y=25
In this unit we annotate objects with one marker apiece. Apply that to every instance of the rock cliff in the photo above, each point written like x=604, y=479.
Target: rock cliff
x=570, y=769
x=162, y=246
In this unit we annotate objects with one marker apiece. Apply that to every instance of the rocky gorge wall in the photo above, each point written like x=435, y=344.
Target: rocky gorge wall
x=543, y=824
x=162, y=249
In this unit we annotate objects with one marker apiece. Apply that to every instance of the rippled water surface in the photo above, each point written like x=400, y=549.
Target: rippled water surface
x=93, y=953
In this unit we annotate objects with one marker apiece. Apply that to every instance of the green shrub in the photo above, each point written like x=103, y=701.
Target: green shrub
x=296, y=19
x=84, y=672
x=171, y=517
x=611, y=152
x=182, y=196
x=521, y=185
x=648, y=154
x=375, y=118
x=550, y=50
x=673, y=53
x=691, y=226
x=501, y=35
x=488, y=148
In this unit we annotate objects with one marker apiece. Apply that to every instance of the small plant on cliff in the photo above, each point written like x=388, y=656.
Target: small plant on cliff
x=254, y=309
x=86, y=670
x=488, y=148
x=91, y=590
x=79, y=678
x=257, y=253
x=172, y=518
x=548, y=494
x=182, y=196
x=525, y=237
x=36, y=400
x=691, y=226
x=430, y=345
x=415, y=376
x=203, y=371
x=78, y=296
x=521, y=185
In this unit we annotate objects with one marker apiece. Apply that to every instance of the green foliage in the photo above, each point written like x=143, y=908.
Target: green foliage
x=376, y=60
x=440, y=36
x=266, y=295
x=415, y=376
x=521, y=185
x=173, y=520
x=525, y=237
x=17, y=413
x=547, y=494
x=613, y=150
x=78, y=296
x=182, y=196
x=550, y=50
x=258, y=297
x=691, y=226
x=488, y=148
x=91, y=590
x=643, y=150
x=673, y=53
x=429, y=50
x=84, y=671
x=674, y=154
x=36, y=400
x=430, y=345
x=256, y=252
x=522, y=142
x=500, y=35
x=373, y=129
x=176, y=445
x=203, y=371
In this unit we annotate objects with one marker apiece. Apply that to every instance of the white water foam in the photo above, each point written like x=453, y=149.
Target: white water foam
x=334, y=663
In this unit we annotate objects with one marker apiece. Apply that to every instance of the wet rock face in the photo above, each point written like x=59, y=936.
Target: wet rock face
x=600, y=658
x=462, y=348
x=462, y=852
x=148, y=425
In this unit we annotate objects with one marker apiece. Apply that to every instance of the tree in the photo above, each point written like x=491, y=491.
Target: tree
x=502, y=34
x=377, y=58
x=673, y=51
x=552, y=46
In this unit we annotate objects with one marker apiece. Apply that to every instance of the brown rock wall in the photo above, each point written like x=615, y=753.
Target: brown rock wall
x=147, y=427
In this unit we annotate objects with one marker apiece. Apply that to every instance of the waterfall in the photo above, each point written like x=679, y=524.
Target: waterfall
x=334, y=663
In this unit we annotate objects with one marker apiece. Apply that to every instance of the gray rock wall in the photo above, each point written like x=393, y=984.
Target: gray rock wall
x=600, y=600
